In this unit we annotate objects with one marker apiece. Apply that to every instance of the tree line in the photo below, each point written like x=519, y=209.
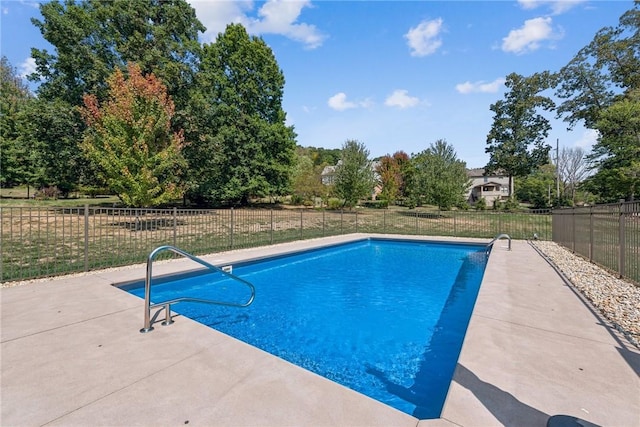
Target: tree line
x=600, y=88
x=130, y=101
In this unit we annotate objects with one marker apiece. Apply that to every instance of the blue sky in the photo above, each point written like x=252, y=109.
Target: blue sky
x=394, y=75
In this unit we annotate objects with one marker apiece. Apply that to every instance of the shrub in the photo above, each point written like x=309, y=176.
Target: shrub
x=376, y=204
x=481, y=205
x=47, y=193
x=511, y=204
x=334, y=203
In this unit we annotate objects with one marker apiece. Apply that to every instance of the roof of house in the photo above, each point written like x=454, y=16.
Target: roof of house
x=480, y=172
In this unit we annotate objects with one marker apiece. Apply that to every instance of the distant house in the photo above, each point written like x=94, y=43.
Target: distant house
x=487, y=187
x=328, y=177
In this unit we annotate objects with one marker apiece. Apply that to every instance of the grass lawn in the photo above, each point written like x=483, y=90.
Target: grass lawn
x=21, y=196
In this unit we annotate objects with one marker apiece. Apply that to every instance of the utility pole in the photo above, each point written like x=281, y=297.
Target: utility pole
x=558, y=170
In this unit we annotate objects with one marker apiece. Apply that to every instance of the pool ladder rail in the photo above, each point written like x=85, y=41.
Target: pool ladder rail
x=495, y=239
x=167, y=304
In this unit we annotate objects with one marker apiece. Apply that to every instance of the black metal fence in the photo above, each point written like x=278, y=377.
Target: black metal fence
x=608, y=235
x=39, y=242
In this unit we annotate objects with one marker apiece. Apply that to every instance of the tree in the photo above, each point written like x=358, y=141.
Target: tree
x=616, y=155
x=50, y=129
x=538, y=187
x=92, y=38
x=354, y=175
x=307, y=183
x=515, y=142
x=593, y=79
x=599, y=87
x=573, y=168
x=439, y=177
x=389, y=173
x=391, y=170
x=248, y=150
x=129, y=136
x=16, y=157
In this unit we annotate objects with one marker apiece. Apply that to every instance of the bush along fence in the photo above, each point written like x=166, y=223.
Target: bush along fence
x=40, y=242
x=607, y=235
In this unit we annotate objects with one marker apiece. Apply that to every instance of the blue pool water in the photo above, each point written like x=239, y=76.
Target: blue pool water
x=383, y=317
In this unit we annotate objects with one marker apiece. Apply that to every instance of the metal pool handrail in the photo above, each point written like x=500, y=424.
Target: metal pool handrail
x=167, y=304
x=498, y=237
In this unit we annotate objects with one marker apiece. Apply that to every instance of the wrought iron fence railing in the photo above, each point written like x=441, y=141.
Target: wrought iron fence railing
x=607, y=235
x=38, y=242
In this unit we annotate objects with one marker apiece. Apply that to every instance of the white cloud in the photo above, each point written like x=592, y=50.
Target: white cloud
x=528, y=38
x=423, y=39
x=400, y=98
x=27, y=67
x=480, y=86
x=339, y=102
x=557, y=6
x=5, y=10
x=274, y=17
x=588, y=139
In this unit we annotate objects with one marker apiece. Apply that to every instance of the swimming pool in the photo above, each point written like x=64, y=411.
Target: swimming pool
x=383, y=317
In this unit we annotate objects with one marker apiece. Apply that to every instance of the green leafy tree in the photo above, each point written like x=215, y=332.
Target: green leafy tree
x=617, y=152
x=515, y=142
x=537, y=188
x=439, y=177
x=354, y=178
x=599, y=87
x=17, y=163
x=307, y=183
x=594, y=78
x=92, y=38
x=129, y=137
x=248, y=150
x=51, y=127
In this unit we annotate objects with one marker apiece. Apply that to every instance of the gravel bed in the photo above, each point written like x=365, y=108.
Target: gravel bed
x=616, y=299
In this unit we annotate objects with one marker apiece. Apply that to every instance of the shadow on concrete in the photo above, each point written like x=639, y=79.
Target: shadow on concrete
x=626, y=349
x=504, y=406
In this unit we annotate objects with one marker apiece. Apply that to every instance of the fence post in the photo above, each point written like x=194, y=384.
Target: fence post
x=573, y=230
x=323, y=222
x=301, y=235
x=356, y=221
x=1, y=245
x=384, y=222
x=621, y=240
x=86, y=237
x=416, y=212
x=590, y=233
x=175, y=225
x=231, y=231
x=454, y=223
x=271, y=231
x=341, y=229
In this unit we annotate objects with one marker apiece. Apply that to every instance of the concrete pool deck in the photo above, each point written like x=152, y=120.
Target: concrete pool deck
x=72, y=354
